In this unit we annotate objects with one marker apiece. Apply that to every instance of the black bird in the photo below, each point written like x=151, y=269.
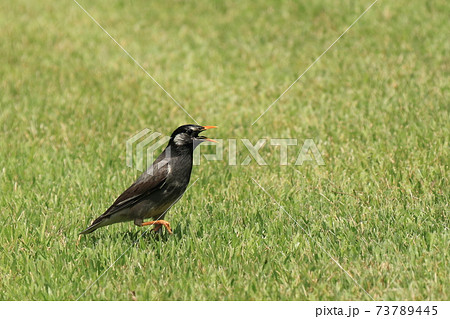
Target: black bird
x=158, y=188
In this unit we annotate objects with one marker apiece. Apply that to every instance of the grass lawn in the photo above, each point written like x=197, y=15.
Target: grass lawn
x=376, y=105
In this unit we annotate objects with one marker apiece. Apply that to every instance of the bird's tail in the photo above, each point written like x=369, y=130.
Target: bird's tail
x=99, y=222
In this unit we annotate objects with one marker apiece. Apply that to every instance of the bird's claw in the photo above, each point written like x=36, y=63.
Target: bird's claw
x=157, y=228
x=159, y=224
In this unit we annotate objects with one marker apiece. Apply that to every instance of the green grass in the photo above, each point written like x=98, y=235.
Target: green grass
x=376, y=105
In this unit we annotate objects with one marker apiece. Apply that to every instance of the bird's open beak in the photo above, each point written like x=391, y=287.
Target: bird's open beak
x=208, y=127
x=209, y=139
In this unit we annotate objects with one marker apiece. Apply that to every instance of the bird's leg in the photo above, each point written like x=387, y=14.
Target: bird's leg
x=159, y=224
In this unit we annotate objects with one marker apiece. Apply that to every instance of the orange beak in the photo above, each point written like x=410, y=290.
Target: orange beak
x=210, y=139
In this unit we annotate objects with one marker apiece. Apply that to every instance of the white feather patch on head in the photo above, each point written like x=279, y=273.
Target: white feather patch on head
x=179, y=140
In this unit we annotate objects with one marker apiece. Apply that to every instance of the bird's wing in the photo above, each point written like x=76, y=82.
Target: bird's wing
x=146, y=184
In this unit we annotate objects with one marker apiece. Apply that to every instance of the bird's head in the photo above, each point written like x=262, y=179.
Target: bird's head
x=187, y=135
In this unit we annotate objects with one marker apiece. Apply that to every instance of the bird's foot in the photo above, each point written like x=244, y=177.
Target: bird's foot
x=159, y=224
x=157, y=228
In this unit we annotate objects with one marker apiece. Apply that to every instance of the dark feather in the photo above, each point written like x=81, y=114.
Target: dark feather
x=144, y=186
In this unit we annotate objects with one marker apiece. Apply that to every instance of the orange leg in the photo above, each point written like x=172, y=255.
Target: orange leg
x=159, y=224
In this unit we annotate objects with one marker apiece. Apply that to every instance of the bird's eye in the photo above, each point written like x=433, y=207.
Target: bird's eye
x=189, y=131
